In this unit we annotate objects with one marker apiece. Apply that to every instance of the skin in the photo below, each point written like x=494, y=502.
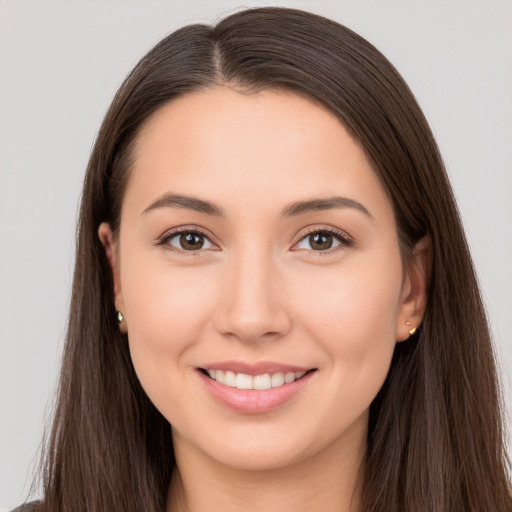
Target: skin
x=260, y=290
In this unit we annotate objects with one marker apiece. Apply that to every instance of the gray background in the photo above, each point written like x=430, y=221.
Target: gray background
x=60, y=64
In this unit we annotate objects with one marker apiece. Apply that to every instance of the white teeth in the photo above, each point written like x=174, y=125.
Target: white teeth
x=289, y=377
x=230, y=379
x=277, y=379
x=262, y=382
x=258, y=382
x=243, y=381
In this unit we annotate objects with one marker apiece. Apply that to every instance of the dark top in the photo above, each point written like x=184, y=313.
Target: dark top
x=33, y=506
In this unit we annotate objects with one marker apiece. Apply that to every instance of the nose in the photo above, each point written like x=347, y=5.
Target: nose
x=253, y=305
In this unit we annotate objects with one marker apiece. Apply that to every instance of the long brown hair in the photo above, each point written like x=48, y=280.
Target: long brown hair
x=435, y=440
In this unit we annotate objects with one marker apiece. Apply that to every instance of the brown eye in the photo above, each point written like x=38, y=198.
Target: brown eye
x=189, y=241
x=322, y=241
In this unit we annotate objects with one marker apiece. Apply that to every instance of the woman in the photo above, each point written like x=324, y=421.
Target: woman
x=273, y=303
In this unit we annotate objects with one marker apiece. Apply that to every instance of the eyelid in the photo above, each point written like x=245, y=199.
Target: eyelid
x=344, y=238
x=164, y=238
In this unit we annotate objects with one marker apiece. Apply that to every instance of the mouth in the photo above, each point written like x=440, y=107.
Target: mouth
x=256, y=387
x=259, y=382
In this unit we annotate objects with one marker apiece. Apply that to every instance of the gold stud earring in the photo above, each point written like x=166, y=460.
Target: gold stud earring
x=411, y=331
x=120, y=317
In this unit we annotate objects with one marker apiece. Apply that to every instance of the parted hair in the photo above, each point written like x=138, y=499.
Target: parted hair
x=436, y=435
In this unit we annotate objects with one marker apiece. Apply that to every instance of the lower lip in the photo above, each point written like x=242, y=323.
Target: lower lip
x=254, y=401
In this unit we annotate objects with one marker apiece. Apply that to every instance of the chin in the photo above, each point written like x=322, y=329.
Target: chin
x=263, y=446
x=260, y=457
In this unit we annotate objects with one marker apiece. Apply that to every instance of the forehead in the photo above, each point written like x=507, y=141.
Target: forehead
x=250, y=147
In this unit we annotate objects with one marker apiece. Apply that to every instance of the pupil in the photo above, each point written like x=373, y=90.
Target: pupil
x=321, y=241
x=191, y=241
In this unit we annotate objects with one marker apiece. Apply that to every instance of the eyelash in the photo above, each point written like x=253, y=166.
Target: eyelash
x=344, y=241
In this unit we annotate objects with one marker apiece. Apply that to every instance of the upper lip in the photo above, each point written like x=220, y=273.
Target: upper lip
x=258, y=368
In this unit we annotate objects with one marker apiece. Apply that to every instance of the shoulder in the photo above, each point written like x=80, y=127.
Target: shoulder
x=33, y=506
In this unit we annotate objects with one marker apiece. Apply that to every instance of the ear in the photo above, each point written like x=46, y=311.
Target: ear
x=111, y=250
x=415, y=289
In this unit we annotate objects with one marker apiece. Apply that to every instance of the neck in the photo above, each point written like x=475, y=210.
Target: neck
x=330, y=481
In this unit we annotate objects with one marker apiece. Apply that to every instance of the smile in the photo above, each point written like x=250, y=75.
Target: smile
x=256, y=382
x=254, y=388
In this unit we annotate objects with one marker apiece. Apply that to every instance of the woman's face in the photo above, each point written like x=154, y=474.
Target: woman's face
x=256, y=244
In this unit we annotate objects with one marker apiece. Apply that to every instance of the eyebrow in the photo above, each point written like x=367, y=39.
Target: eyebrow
x=314, y=205
x=170, y=200
x=187, y=202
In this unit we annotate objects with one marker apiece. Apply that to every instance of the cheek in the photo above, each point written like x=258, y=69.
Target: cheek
x=166, y=311
x=352, y=316
x=165, y=303
x=354, y=299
